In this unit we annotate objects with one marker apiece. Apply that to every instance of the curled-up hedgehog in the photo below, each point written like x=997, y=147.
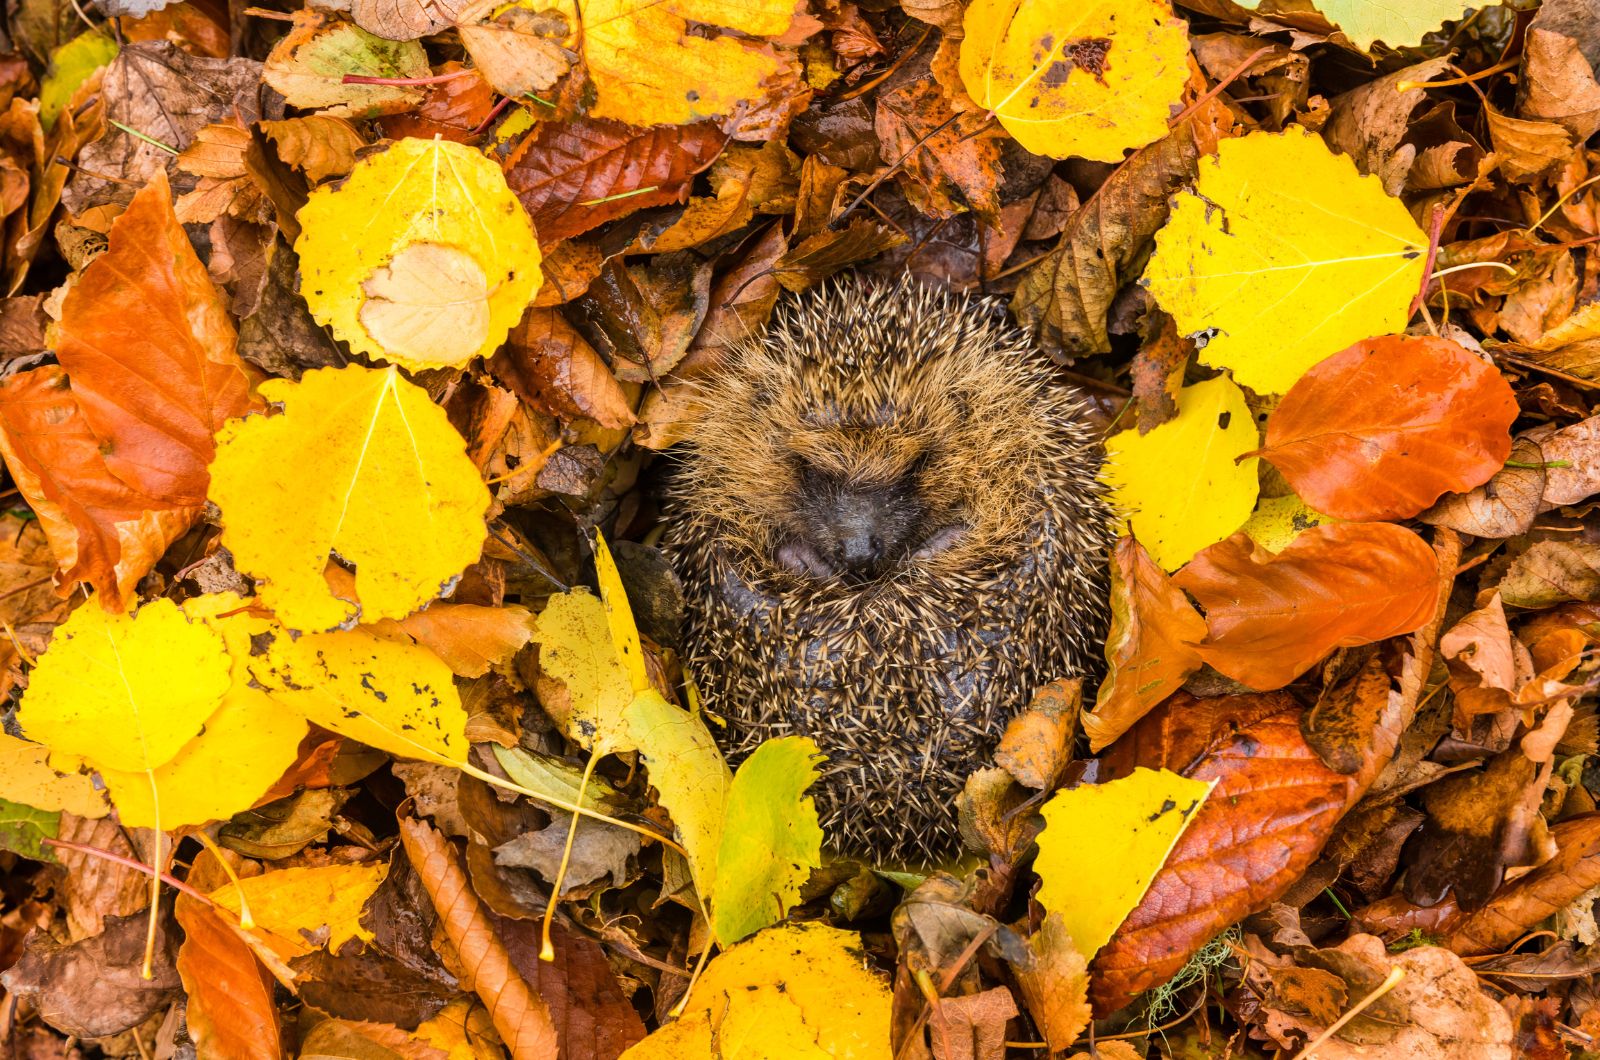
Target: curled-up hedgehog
x=890, y=534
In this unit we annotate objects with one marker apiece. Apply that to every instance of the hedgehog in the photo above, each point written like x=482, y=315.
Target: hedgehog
x=890, y=532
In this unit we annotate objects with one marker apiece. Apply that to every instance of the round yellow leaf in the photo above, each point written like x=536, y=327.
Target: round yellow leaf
x=26, y=776
x=797, y=992
x=1086, y=78
x=125, y=692
x=433, y=192
x=1139, y=817
x=1180, y=485
x=1284, y=255
x=358, y=464
x=430, y=303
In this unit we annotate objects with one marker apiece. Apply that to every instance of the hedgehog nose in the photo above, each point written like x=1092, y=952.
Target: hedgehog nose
x=860, y=550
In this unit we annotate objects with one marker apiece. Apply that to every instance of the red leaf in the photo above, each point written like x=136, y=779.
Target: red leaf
x=1273, y=808
x=563, y=165
x=101, y=530
x=1383, y=429
x=452, y=110
x=148, y=343
x=231, y=1010
x=1272, y=617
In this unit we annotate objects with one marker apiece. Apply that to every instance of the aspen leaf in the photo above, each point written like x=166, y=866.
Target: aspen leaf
x=1283, y=255
x=770, y=838
x=649, y=70
x=294, y=904
x=363, y=274
x=28, y=777
x=800, y=991
x=1139, y=816
x=396, y=697
x=70, y=66
x=360, y=464
x=125, y=692
x=24, y=829
x=1181, y=486
x=1086, y=78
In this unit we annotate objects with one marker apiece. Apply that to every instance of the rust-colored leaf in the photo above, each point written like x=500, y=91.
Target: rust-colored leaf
x=563, y=170
x=520, y=1015
x=1151, y=647
x=1274, y=806
x=587, y=1005
x=148, y=343
x=451, y=111
x=1384, y=428
x=102, y=531
x=231, y=1009
x=1272, y=617
x=468, y=638
x=550, y=365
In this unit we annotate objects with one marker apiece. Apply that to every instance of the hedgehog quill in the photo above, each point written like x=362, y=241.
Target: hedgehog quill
x=890, y=532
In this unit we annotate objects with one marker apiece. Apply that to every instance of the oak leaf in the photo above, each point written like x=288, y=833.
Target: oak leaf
x=1086, y=79
x=419, y=214
x=1271, y=616
x=382, y=480
x=1283, y=254
x=1382, y=429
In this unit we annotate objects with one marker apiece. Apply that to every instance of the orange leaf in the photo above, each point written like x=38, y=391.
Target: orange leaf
x=1151, y=647
x=1273, y=808
x=148, y=343
x=1533, y=896
x=1272, y=617
x=468, y=638
x=520, y=1015
x=563, y=168
x=102, y=530
x=231, y=1008
x=1383, y=429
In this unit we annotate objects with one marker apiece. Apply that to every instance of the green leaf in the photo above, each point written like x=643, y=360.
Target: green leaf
x=23, y=829
x=690, y=776
x=70, y=66
x=770, y=839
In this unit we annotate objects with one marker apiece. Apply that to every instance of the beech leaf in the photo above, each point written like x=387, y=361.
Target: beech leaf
x=1383, y=429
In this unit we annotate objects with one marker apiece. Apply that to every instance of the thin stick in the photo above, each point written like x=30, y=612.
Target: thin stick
x=1435, y=230
x=1216, y=90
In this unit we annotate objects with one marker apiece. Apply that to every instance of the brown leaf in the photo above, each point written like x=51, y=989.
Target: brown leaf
x=1065, y=298
x=1558, y=82
x=548, y=364
x=1505, y=506
x=972, y=1027
x=1150, y=648
x=1037, y=743
x=217, y=157
x=1339, y=726
x=453, y=110
x=1535, y=895
x=1371, y=123
x=520, y=52
x=1381, y=430
x=948, y=164
x=93, y=988
x=1526, y=149
x=319, y=146
x=741, y=302
x=1055, y=986
x=643, y=316
x=1273, y=808
x=1272, y=617
x=562, y=170
x=231, y=1010
x=369, y=985
x=1553, y=572
x=147, y=341
x=587, y=1005
x=101, y=530
x=1478, y=824
x=354, y=1040
x=405, y=19
x=519, y=1014
x=817, y=257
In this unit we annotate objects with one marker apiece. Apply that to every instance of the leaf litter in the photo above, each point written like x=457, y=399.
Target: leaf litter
x=344, y=714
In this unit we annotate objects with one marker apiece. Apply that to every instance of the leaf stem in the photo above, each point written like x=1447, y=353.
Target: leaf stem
x=106, y=855
x=406, y=82
x=547, y=951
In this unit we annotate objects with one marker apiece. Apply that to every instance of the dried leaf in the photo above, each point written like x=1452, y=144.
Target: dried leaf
x=231, y=1009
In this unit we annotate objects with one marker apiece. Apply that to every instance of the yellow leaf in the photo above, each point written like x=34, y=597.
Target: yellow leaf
x=1279, y=520
x=1397, y=25
x=294, y=904
x=1090, y=78
x=125, y=692
x=798, y=992
x=242, y=751
x=689, y=773
x=1286, y=255
x=1137, y=819
x=770, y=838
x=358, y=463
x=393, y=696
x=26, y=776
x=649, y=70
x=422, y=256
x=624, y=632
x=575, y=648
x=1179, y=484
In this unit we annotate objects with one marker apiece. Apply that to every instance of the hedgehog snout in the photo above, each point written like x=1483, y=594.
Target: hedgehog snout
x=853, y=530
